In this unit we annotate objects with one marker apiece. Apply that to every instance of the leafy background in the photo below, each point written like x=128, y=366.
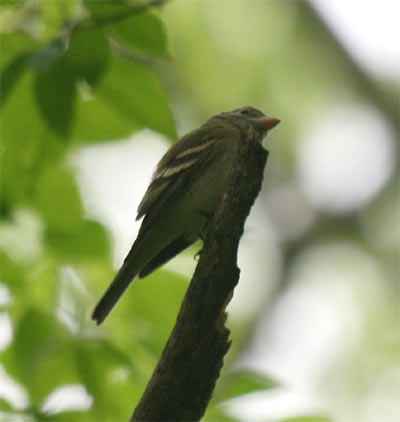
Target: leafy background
x=91, y=93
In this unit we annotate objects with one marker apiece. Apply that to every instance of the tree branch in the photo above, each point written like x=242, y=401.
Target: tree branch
x=184, y=379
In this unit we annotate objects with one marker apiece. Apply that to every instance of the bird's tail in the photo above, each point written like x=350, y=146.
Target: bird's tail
x=118, y=286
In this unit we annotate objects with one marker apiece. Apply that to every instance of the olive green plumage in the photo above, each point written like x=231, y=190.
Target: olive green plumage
x=184, y=192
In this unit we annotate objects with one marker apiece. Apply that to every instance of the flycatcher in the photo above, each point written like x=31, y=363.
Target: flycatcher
x=184, y=192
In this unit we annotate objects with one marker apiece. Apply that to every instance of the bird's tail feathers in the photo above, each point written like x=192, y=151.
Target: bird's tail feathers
x=116, y=289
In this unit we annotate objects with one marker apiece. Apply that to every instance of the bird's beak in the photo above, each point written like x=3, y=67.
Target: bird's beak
x=266, y=123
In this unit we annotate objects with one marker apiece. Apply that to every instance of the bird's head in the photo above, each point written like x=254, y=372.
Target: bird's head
x=245, y=117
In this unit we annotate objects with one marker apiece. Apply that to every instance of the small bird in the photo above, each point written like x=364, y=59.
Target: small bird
x=183, y=194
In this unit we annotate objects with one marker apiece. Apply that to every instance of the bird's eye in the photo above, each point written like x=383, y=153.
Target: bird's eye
x=244, y=111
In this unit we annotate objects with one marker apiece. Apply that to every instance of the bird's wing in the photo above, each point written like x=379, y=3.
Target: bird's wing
x=181, y=164
x=166, y=254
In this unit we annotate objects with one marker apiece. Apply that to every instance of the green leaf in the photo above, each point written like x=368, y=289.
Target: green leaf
x=10, y=75
x=143, y=33
x=237, y=383
x=116, y=97
x=12, y=273
x=108, y=376
x=103, y=12
x=27, y=144
x=15, y=44
x=7, y=3
x=85, y=59
x=5, y=406
x=15, y=49
x=128, y=98
x=30, y=285
x=85, y=53
x=97, y=359
x=55, y=92
x=58, y=199
x=40, y=356
x=87, y=240
x=88, y=54
x=43, y=59
x=55, y=15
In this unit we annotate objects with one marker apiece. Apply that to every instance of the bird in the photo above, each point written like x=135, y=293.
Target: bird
x=185, y=189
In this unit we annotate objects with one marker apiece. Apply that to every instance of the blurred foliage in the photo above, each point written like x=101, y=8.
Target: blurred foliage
x=81, y=72
x=77, y=72
x=307, y=419
x=71, y=74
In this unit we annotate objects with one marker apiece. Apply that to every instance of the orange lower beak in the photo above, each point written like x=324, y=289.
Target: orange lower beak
x=267, y=123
